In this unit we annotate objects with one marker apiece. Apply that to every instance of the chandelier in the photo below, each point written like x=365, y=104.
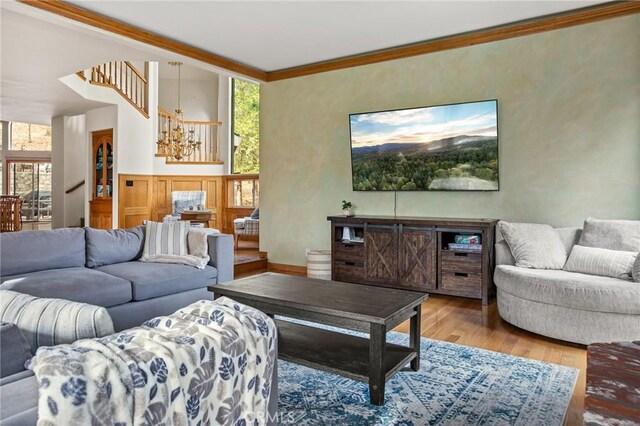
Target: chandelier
x=177, y=142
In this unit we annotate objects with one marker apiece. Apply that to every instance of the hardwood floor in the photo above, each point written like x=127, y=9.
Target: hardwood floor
x=467, y=322
x=248, y=259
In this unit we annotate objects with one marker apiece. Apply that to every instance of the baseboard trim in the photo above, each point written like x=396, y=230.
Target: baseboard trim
x=283, y=268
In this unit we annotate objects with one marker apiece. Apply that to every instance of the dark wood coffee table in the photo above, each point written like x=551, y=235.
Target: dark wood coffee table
x=374, y=310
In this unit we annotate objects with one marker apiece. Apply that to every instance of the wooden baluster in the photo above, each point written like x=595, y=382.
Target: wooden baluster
x=217, y=143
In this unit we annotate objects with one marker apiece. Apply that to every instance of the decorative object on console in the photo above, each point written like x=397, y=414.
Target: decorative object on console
x=347, y=208
x=534, y=245
x=389, y=154
x=178, y=142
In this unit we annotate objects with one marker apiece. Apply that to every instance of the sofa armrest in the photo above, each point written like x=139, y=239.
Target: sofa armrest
x=221, y=254
x=503, y=254
x=14, y=349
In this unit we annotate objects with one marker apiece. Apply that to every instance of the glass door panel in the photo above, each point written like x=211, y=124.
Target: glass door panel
x=32, y=182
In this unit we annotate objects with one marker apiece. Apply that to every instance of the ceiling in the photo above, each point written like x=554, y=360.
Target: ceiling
x=275, y=35
x=37, y=49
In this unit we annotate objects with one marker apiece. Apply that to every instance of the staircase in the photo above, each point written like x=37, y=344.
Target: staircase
x=125, y=79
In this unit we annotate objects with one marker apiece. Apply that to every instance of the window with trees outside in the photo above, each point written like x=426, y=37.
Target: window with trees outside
x=30, y=137
x=245, y=103
x=245, y=193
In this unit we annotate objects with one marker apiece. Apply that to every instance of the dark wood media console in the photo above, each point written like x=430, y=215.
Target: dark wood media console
x=412, y=253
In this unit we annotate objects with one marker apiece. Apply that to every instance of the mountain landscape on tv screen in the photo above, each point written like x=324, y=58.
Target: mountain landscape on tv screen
x=400, y=151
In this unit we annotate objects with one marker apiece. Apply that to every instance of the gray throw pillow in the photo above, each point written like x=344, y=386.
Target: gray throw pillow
x=534, y=245
x=256, y=213
x=183, y=205
x=109, y=246
x=635, y=270
x=621, y=235
x=599, y=261
x=14, y=350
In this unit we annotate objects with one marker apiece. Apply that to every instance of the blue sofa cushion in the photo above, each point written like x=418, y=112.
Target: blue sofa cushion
x=107, y=246
x=77, y=284
x=149, y=280
x=14, y=350
x=32, y=251
x=19, y=401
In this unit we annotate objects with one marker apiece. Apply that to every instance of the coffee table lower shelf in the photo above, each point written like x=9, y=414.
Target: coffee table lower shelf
x=338, y=353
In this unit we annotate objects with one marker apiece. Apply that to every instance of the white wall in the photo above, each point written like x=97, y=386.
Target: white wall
x=199, y=98
x=57, y=172
x=75, y=154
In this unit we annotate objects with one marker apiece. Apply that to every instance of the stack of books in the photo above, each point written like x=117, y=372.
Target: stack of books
x=466, y=242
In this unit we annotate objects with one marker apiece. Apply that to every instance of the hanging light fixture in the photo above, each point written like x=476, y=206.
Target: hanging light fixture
x=177, y=142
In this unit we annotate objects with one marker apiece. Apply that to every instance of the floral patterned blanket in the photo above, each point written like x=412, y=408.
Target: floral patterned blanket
x=209, y=363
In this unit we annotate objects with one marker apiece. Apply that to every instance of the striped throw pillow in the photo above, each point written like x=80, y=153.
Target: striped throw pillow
x=50, y=322
x=166, y=238
x=599, y=261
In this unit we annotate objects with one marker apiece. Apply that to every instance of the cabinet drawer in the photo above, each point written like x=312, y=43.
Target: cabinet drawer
x=463, y=262
x=349, y=252
x=348, y=271
x=462, y=283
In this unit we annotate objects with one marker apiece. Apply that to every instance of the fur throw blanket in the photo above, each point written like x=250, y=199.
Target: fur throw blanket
x=209, y=363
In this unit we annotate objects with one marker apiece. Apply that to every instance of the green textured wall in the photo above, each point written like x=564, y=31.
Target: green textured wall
x=569, y=133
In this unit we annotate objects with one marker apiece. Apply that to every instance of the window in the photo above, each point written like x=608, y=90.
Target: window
x=245, y=193
x=31, y=180
x=30, y=137
x=245, y=116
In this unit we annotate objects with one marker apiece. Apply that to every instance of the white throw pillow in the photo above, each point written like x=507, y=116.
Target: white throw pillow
x=635, y=270
x=50, y=322
x=534, y=245
x=166, y=238
x=599, y=261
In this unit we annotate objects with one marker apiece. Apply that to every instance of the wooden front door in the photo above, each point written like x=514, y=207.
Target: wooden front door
x=417, y=258
x=381, y=254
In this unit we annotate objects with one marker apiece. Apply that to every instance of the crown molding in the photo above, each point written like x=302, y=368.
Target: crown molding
x=502, y=32
x=517, y=29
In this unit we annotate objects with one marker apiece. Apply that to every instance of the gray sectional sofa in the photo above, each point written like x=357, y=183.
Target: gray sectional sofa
x=570, y=306
x=101, y=268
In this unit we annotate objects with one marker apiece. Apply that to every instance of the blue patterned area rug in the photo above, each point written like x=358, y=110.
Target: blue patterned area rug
x=456, y=385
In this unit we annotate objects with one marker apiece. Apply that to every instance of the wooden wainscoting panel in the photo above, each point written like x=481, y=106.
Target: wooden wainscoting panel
x=165, y=184
x=135, y=200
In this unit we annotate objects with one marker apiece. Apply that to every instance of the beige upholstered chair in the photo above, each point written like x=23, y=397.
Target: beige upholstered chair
x=245, y=226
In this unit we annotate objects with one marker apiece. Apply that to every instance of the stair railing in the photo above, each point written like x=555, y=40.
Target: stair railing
x=125, y=79
x=204, y=131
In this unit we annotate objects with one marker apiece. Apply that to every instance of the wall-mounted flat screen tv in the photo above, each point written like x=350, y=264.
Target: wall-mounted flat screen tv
x=437, y=148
